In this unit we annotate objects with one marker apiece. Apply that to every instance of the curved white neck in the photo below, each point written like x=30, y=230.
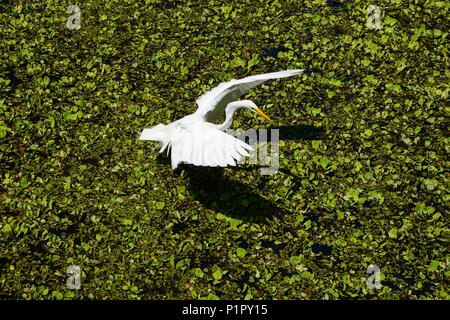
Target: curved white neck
x=229, y=111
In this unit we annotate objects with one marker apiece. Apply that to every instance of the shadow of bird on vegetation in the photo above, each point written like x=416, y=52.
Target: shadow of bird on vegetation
x=215, y=191
x=300, y=132
x=294, y=132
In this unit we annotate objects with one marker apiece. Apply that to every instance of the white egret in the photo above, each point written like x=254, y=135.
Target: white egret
x=195, y=139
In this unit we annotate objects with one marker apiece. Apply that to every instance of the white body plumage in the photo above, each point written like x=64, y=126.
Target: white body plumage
x=196, y=140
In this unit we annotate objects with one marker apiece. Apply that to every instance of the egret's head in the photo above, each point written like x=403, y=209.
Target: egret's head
x=257, y=110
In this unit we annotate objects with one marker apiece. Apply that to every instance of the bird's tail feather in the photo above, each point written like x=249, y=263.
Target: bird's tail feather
x=154, y=133
x=157, y=133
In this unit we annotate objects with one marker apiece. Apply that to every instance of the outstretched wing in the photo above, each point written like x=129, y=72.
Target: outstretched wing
x=201, y=144
x=212, y=103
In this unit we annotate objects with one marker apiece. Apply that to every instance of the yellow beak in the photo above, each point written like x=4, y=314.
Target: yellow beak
x=263, y=115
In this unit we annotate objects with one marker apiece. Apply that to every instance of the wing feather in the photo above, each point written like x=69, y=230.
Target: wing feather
x=212, y=103
x=202, y=144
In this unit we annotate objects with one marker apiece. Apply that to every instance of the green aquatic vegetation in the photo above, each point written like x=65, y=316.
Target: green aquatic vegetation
x=363, y=176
